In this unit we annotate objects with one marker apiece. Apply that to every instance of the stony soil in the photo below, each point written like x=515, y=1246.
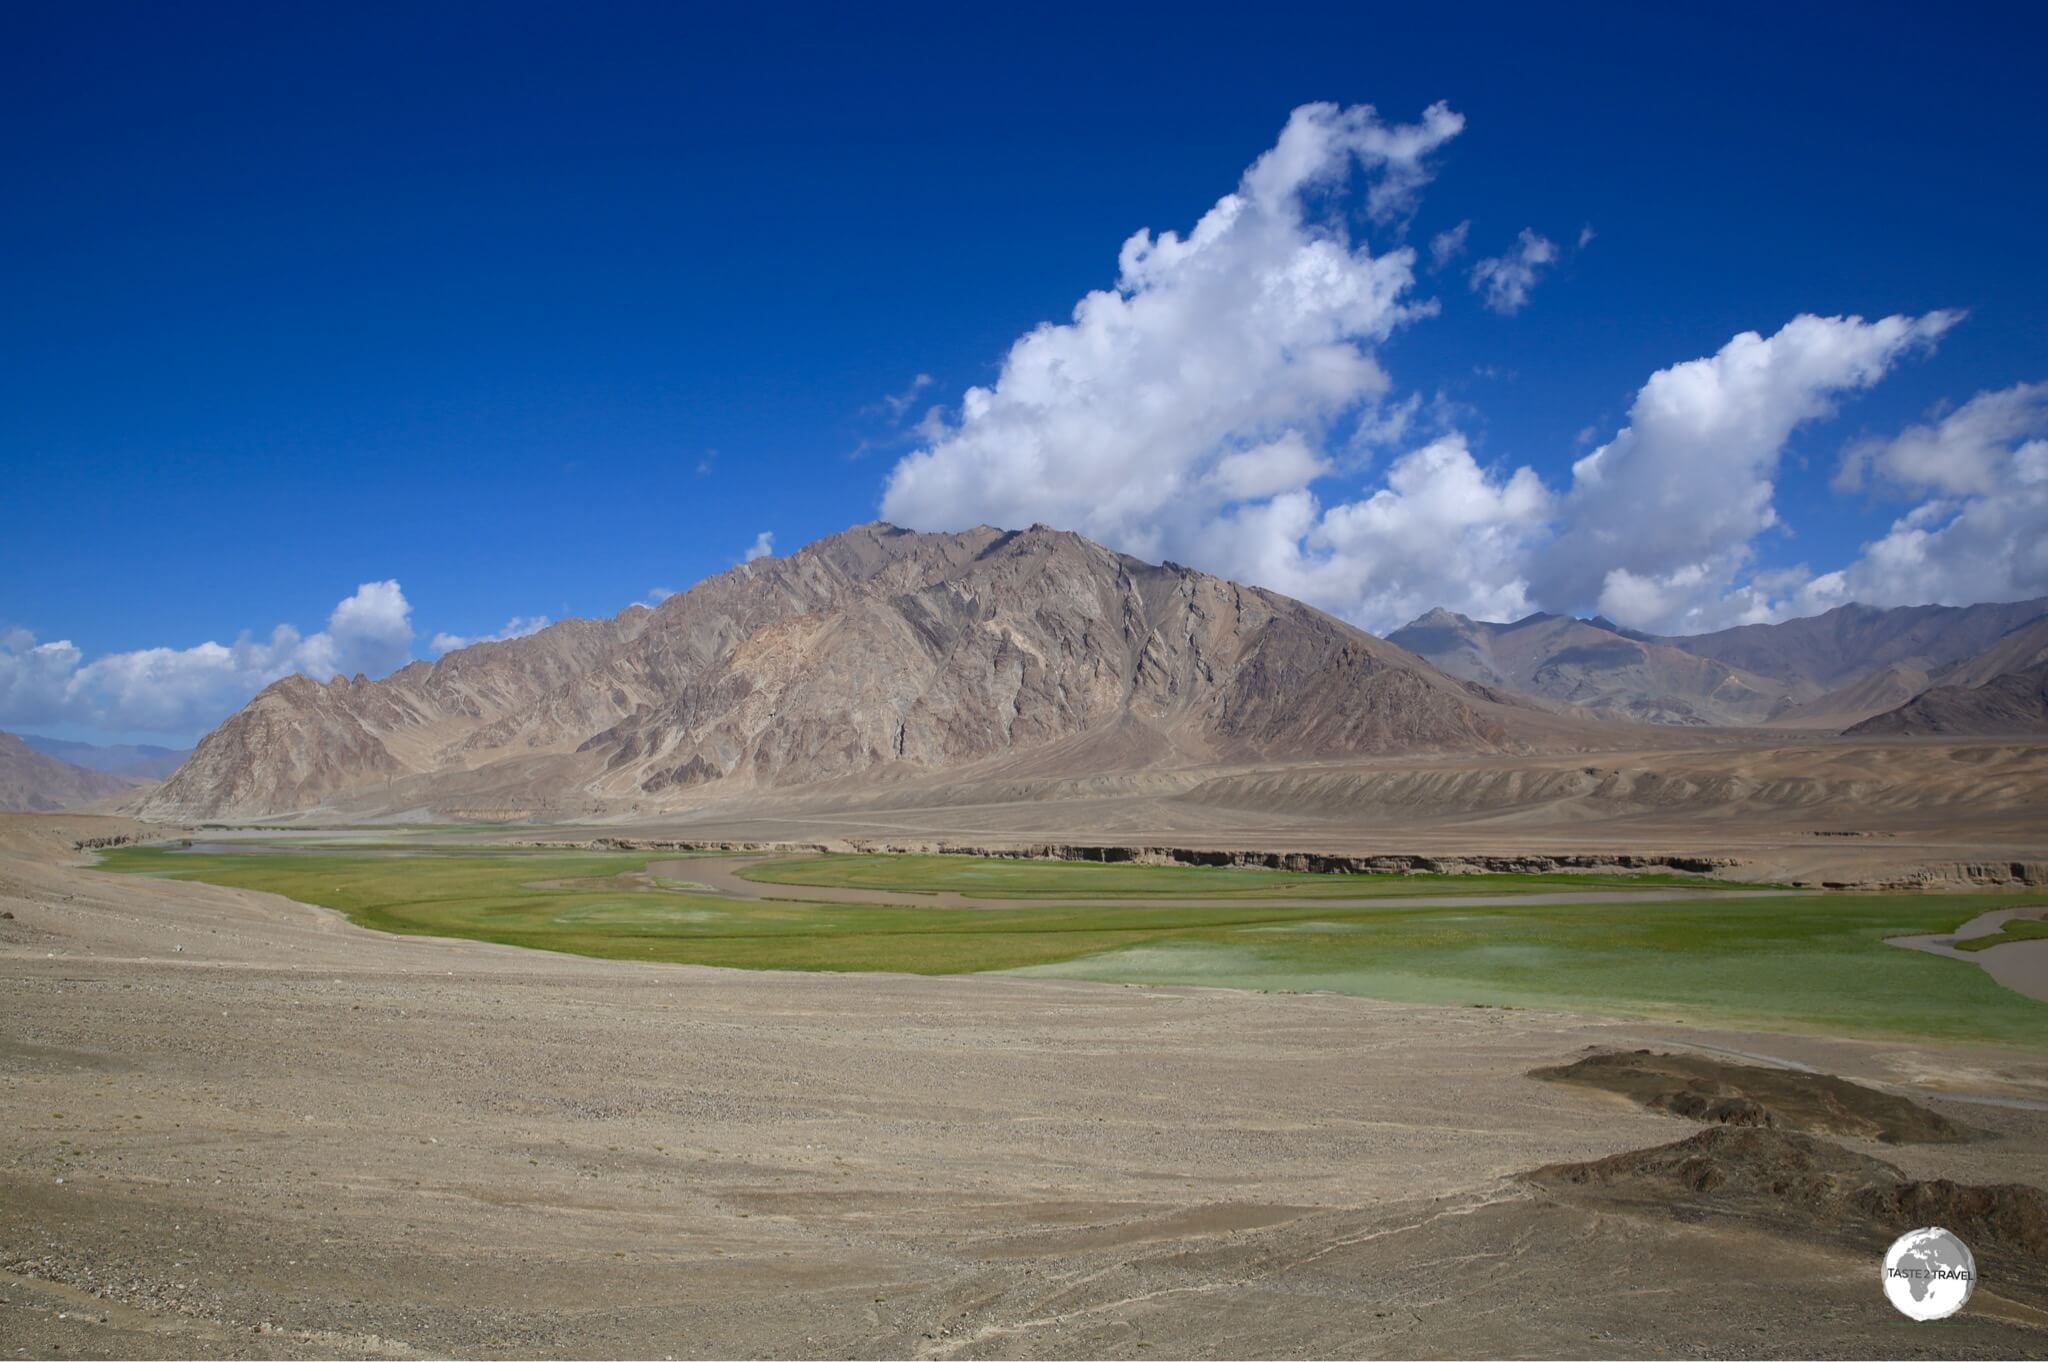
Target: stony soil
x=242, y=1127
x=1814, y=1189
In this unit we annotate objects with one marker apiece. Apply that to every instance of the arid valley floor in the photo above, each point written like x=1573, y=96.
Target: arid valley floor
x=242, y=1126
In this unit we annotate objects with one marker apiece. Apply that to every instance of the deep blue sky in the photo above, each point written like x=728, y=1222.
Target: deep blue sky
x=297, y=297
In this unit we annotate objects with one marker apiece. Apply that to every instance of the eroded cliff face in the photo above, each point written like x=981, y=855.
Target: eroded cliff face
x=877, y=651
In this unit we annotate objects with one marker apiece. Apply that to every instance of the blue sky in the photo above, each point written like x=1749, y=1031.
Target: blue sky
x=536, y=310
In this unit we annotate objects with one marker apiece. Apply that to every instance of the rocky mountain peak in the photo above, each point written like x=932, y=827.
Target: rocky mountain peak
x=877, y=652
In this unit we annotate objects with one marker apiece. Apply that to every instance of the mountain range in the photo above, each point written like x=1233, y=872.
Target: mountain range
x=880, y=656
x=1826, y=672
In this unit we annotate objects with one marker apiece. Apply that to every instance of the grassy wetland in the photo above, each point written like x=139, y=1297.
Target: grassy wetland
x=1806, y=962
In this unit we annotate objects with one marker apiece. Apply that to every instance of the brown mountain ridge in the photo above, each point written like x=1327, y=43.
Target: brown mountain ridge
x=874, y=654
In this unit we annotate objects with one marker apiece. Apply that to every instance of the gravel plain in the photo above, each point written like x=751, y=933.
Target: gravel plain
x=241, y=1127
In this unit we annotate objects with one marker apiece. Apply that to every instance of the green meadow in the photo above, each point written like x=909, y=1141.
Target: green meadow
x=1810, y=962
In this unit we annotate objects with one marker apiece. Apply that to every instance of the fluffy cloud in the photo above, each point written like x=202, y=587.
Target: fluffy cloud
x=519, y=626
x=370, y=631
x=1201, y=408
x=1967, y=452
x=1657, y=527
x=1442, y=530
x=183, y=691
x=1661, y=521
x=1981, y=530
x=1207, y=382
x=762, y=547
x=1503, y=282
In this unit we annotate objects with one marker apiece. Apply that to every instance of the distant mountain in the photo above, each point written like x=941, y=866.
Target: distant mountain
x=1850, y=642
x=2019, y=650
x=1825, y=672
x=1858, y=700
x=1594, y=664
x=875, y=654
x=2002, y=691
x=2012, y=705
x=141, y=760
x=33, y=782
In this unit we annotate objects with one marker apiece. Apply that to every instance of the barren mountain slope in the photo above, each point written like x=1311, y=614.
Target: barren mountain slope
x=1995, y=692
x=1883, y=691
x=33, y=782
x=1591, y=663
x=300, y=741
x=2015, y=704
x=873, y=652
x=1856, y=701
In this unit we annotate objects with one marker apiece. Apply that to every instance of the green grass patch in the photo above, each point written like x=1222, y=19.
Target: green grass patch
x=2013, y=929
x=1809, y=962
x=1001, y=877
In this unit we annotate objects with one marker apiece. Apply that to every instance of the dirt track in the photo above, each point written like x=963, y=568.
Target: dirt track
x=256, y=1130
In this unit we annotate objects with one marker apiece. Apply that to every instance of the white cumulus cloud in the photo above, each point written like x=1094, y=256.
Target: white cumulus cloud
x=1980, y=530
x=1661, y=521
x=1207, y=381
x=1443, y=530
x=762, y=547
x=1208, y=406
x=184, y=691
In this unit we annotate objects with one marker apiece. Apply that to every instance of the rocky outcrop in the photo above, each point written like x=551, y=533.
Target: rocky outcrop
x=1718, y=1092
x=1789, y=1181
x=1952, y=874
x=875, y=654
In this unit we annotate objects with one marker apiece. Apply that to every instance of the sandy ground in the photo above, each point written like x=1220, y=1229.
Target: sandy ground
x=242, y=1127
